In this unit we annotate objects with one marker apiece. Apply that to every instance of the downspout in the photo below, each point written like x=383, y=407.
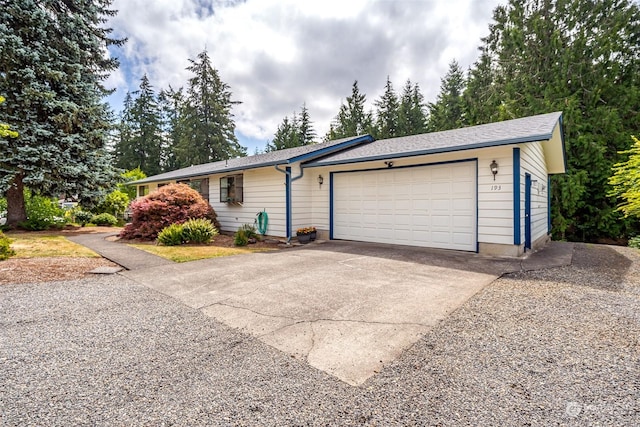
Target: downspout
x=288, y=197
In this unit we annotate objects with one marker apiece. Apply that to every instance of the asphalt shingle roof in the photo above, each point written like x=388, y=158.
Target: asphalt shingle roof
x=528, y=129
x=272, y=158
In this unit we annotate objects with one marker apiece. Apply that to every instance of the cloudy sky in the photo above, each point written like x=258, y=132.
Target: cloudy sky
x=278, y=54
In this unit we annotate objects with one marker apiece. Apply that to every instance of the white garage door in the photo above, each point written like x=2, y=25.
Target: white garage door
x=430, y=206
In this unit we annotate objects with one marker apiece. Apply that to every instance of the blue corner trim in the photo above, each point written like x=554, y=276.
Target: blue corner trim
x=549, y=204
x=288, y=202
x=516, y=197
x=331, y=205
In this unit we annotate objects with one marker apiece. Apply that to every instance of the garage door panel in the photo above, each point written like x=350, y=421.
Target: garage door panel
x=432, y=206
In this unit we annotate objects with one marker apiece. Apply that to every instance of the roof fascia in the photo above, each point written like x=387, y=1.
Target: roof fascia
x=511, y=141
x=331, y=149
x=311, y=155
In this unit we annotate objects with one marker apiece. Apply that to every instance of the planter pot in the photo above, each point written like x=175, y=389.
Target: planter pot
x=313, y=235
x=304, y=238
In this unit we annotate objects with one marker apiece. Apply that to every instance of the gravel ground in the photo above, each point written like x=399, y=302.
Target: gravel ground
x=553, y=347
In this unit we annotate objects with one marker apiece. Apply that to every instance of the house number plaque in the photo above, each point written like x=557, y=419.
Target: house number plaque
x=496, y=187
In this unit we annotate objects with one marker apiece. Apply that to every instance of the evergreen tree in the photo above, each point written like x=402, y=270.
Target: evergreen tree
x=579, y=57
x=352, y=119
x=146, y=143
x=171, y=104
x=448, y=110
x=307, y=135
x=287, y=135
x=294, y=132
x=412, y=119
x=206, y=122
x=123, y=152
x=52, y=65
x=5, y=129
x=387, y=113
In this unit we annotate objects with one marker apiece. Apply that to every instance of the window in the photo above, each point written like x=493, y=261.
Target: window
x=231, y=189
x=200, y=185
x=143, y=190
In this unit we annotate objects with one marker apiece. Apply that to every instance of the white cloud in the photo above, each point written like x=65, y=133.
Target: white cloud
x=277, y=54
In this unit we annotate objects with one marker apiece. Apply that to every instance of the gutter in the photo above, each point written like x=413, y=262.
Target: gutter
x=288, y=199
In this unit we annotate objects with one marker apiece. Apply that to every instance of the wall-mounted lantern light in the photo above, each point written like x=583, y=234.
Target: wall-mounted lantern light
x=494, y=169
x=320, y=180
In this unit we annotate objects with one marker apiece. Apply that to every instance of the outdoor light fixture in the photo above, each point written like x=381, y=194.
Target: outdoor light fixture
x=320, y=180
x=389, y=164
x=494, y=169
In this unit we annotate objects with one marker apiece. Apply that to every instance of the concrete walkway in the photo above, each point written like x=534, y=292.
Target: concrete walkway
x=124, y=255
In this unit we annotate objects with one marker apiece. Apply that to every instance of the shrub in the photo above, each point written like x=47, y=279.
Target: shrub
x=42, y=213
x=171, y=204
x=114, y=203
x=198, y=230
x=104, y=219
x=240, y=238
x=83, y=217
x=171, y=235
x=5, y=247
x=634, y=242
x=249, y=231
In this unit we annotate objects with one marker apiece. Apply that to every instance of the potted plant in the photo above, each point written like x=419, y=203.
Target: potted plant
x=306, y=234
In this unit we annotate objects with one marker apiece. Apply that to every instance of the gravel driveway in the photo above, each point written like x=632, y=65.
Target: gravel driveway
x=558, y=346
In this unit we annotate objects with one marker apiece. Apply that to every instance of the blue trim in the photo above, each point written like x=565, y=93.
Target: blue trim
x=516, y=196
x=396, y=155
x=331, y=149
x=287, y=183
x=549, y=204
x=331, y=205
x=477, y=210
x=527, y=211
x=331, y=184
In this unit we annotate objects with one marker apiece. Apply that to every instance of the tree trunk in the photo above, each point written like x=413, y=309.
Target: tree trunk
x=16, y=211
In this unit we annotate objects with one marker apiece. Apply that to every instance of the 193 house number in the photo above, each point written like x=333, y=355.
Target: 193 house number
x=496, y=187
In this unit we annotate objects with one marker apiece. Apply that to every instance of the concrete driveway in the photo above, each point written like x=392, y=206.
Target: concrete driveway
x=345, y=308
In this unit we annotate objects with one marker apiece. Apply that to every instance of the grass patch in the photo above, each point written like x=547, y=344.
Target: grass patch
x=193, y=253
x=42, y=246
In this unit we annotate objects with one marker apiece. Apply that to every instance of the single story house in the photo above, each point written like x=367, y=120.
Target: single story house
x=482, y=189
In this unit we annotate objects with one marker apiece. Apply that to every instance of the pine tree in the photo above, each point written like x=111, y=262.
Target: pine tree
x=123, y=153
x=412, y=119
x=52, y=65
x=171, y=103
x=146, y=143
x=287, y=135
x=580, y=58
x=294, y=132
x=387, y=113
x=448, y=110
x=207, y=126
x=307, y=135
x=352, y=119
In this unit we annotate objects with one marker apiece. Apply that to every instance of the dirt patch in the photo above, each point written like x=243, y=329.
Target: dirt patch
x=36, y=270
x=47, y=269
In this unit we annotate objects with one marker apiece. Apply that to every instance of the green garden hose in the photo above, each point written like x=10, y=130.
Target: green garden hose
x=262, y=222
